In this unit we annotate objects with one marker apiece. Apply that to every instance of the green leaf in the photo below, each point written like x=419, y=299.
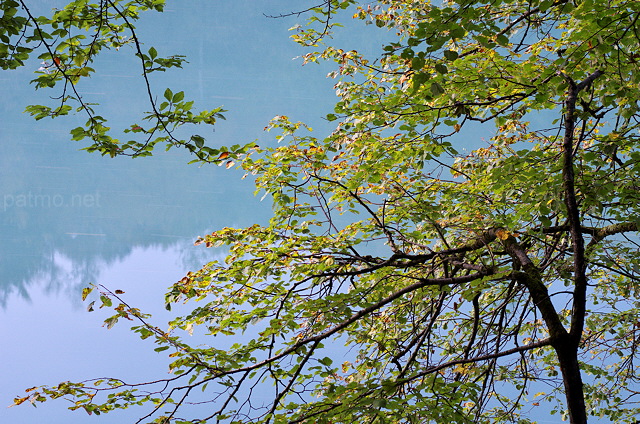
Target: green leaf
x=441, y=68
x=457, y=33
x=436, y=89
x=326, y=361
x=106, y=301
x=417, y=63
x=198, y=141
x=450, y=55
x=178, y=97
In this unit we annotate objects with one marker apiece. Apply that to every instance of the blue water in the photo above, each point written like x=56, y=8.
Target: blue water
x=69, y=218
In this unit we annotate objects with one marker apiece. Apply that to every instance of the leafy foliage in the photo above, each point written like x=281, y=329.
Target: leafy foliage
x=403, y=280
x=68, y=42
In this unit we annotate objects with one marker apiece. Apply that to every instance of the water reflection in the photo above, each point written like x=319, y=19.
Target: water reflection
x=93, y=211
x=57, y=202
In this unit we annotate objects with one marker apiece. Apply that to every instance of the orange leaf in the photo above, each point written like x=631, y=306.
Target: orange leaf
x=18, y=401
x=223, y=155
x=502, y=234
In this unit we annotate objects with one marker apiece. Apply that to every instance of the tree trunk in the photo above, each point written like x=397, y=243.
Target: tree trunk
x=564, y=343
x=567, y=351
x=567, y=345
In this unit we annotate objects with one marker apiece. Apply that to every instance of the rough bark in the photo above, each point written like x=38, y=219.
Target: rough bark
x=567, y=347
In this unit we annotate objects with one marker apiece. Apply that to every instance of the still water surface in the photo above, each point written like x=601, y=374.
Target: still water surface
x=68, y=218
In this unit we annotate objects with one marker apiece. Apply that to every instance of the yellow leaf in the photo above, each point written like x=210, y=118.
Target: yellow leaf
x=18, y=401
x=85, y=292
x=460, y=369
x=502, y=234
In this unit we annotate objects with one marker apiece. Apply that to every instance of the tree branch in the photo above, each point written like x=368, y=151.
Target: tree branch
x=573, y=210
x=436, y=368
